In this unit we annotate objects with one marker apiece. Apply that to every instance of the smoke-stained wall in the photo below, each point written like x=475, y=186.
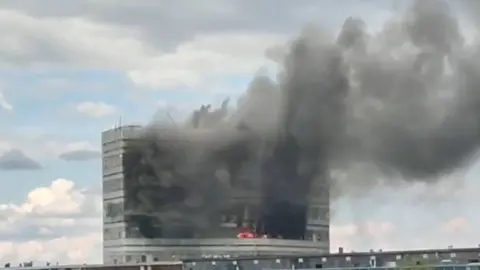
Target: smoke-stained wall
x=179, y=182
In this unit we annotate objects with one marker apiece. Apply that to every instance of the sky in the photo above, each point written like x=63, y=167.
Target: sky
x=71, y=69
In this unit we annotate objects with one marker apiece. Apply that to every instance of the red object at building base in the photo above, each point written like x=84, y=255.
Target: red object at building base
x=246, y=235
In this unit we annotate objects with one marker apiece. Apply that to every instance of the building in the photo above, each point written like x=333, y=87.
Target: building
x=121, y=246
x=114, y=227
x=432, y=259
x=174, y=265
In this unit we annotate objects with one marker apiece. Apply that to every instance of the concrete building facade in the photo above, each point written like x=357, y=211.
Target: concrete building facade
x=122, y=245
x=114, y=226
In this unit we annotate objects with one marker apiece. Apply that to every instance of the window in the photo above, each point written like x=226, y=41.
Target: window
x=318, y=214
x=321, y=195
x=111, y=147
x=113, y=185
x=314, y=212
x=326, y=235
x=113, y=212
x=323, y=235
x=323, y=214
x=106, y=152
x=106, y=234
x=132, y=231
x=112, y=162
x=113, y=233
x=309, y=235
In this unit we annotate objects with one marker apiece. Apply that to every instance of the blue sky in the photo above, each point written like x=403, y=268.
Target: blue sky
x=68, y=72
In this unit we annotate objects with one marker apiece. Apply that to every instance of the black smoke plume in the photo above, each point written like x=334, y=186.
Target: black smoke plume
x=406, y=100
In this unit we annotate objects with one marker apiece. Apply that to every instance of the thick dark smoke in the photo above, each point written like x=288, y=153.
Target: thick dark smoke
x=406, y=100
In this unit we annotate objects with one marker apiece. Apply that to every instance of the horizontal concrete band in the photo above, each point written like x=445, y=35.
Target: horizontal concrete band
x=216, y=242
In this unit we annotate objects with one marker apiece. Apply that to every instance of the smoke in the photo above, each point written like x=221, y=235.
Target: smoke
x=405, y=101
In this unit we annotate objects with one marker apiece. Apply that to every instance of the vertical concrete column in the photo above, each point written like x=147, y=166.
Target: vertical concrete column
x=246, y=213
x=246, y=216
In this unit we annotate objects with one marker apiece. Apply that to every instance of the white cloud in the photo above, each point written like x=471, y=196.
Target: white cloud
x=65, y=250
x=78, y=42
x=4, y=104
x=206, y=56
x=95, y=109
x=55, y=223
x=59, y=198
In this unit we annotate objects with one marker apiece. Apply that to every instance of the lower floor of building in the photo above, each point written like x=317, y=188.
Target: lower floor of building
x=127, y=251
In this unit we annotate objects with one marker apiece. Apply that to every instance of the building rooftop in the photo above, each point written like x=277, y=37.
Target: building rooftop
x=371, y=253
x=94, y=266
